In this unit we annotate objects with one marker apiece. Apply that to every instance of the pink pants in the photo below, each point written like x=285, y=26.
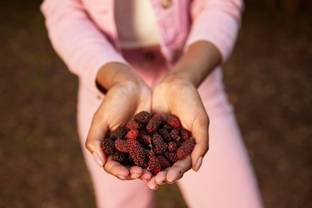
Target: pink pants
x=226, y=178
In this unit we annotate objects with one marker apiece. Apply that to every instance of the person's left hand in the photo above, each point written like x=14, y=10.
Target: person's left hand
x=181, y=98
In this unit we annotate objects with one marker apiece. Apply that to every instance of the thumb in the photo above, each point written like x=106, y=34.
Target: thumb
x=95, y=136
x=200, y=133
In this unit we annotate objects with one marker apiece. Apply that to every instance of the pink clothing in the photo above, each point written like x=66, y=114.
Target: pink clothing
x=83, y=32
x=225, y=179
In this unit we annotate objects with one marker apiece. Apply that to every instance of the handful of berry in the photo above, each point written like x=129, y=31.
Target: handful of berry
x=150, y=140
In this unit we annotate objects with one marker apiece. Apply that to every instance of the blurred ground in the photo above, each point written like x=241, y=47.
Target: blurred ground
x=268, y=79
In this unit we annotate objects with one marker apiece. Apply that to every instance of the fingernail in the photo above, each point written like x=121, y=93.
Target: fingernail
x=97, y=159
x=121, y=177
x=159, y=181
x=146, y=177
x=135, y=175
x=171, y=179
x=198, y=163
x=153, y=187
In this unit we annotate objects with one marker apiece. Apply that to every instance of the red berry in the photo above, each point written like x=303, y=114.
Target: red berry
x=153, y=164
x=143, y=117
x=172, y=146
x=185, y=149
x=167, y=126
x=171, y=156
x=120, y=132
x=164, y=163
x=154, y=123
x=108, y=146
x=165, y=134
x=159, y=146
x=132, y=124
x=173, y=121
x=146, y=139
x=132, y=134
x=137, y=153
x=151, y=141
x=175, y=134
x=120, y=157
x=121, y=145
x=185, y=134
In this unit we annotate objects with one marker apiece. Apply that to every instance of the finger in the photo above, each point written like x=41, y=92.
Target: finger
x=200, y=133
x=178, y=169
x=152, y=184
x=114, y=168
x=136, y=172
x=160, y=178
x=146, y=176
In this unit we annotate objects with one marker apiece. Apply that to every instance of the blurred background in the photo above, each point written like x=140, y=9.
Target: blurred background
x=268, y=78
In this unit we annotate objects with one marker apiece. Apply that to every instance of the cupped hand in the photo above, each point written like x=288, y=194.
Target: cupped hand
x=181, y=98
x=125, y=97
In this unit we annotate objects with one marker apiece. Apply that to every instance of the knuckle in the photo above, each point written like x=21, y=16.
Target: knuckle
x=108, y=167
x=89, y=145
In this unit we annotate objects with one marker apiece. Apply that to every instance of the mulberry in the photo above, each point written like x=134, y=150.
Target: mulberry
x=185, y=149
x=159, y=146
x=120, y=157
x=120, y=132
x=172, y=146
x=143, y=117
x=108, y=146
x=137, y=153
x=153, y=164
x=164, y=163
x=132, y=134
x=133, y=124
x=152, y=141
x=175, y=134
x=185, y=134
x=173, y=121
x=171, y=156
x=121, y=145
x=154, y=123
x=165, y=134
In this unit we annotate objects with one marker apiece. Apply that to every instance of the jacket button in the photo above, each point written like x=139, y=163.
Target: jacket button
x=166, y=3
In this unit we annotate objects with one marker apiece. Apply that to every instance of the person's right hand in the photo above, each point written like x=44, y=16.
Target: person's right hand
x=127, y=95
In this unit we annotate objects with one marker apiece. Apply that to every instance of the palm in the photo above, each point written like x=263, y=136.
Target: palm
x=182, y=100
x=119, y=105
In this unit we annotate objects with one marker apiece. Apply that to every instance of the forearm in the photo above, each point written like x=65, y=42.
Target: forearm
x=77, y=40
x=114, y=73
x=197, y=62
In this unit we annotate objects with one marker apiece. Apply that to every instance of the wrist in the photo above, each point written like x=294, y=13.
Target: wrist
x=176, y=79
x=112, y=74
x=197, y=62
x=179, y=76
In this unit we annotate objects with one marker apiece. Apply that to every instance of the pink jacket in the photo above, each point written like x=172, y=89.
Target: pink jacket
x=83, y=32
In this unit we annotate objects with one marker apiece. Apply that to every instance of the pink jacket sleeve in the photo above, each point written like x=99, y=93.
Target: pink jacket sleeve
x=217, y=22
x=77, y=40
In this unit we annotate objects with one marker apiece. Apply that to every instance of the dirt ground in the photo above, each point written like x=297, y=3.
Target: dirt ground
x=268, y=79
